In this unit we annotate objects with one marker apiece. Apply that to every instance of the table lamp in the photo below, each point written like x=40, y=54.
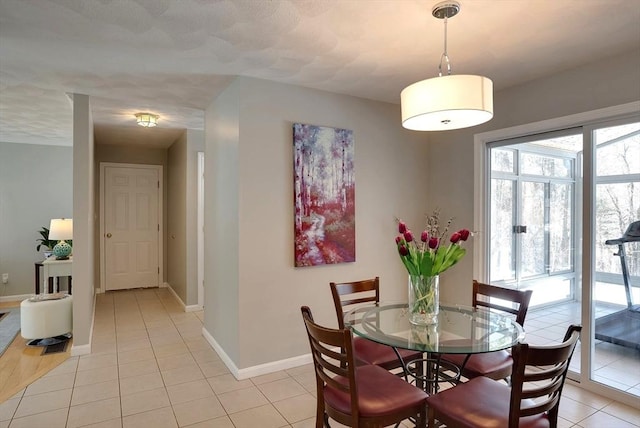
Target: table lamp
x=59, y=230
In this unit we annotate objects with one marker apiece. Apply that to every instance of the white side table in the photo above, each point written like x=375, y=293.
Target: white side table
x=54, y=268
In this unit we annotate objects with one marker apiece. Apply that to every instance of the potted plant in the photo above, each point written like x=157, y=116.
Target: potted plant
x=44, y=241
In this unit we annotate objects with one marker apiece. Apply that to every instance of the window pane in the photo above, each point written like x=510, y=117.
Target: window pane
x=546, y=166
x=618, y=150
x=503, y=160
x=502, y=207
x=618, y=205
x=560, y=228
x=533, y=249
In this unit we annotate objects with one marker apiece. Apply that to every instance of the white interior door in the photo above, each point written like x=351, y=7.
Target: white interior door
x=131, y=232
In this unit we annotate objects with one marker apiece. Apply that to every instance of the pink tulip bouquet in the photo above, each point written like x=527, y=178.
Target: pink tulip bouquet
x=432, y=254
x=425, y=260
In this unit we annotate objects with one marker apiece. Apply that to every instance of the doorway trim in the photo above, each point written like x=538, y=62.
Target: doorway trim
x=200, y=225
x=158, y=168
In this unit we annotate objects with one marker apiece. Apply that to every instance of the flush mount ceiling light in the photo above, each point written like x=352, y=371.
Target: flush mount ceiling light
x=447, y=102
x=147, y=120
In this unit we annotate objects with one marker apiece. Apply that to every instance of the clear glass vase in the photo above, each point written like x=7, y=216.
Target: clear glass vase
x=424, y=303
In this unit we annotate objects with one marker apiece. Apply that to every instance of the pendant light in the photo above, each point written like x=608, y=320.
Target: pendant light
x=447, y=102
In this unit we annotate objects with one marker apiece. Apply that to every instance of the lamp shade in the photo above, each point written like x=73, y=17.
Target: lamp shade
x=447, y=102
x=61, y=229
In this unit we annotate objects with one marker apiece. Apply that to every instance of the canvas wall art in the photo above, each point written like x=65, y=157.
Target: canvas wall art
x=324, y=195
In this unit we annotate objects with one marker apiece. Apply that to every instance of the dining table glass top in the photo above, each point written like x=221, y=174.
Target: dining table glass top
x=459, y=330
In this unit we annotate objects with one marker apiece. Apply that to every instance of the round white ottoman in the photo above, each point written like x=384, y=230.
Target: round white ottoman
x=45, y=317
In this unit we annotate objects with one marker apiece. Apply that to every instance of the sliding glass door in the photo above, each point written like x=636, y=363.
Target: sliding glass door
x=559, y=209
x=533, y=215
x=616, y=289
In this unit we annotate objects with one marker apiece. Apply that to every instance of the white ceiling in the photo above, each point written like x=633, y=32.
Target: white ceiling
x=172, y=57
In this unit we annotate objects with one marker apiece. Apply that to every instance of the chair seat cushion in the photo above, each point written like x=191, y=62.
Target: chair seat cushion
x=481, y=402
x=380, y=393
x=496, y=365
x=370, y=352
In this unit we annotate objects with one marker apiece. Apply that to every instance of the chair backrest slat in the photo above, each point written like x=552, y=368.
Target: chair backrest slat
x=332, y=352
x=538, y=376
x=485, y=295
x=348, y=294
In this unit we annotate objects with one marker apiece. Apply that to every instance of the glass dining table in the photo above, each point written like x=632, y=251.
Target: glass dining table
x=459, y=330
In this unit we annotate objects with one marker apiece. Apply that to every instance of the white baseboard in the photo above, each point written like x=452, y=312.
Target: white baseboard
x=186, y=308
x=86, y=349
x=80, y=350
x=258, y=370
x=16, y=298
x=165, y=285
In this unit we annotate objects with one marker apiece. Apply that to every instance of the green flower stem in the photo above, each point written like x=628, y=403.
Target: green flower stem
x=424, y=293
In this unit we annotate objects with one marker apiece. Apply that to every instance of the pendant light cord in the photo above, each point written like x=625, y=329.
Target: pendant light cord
x=444, y=56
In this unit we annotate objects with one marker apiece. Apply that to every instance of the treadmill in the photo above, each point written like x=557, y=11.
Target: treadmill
x=622, y=327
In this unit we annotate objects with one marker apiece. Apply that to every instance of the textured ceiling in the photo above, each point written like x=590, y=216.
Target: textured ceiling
x=173, y=57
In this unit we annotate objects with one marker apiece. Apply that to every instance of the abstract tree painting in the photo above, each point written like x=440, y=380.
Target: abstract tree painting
x=324, y=195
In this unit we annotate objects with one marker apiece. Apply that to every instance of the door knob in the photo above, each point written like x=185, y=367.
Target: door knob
x=109, y=235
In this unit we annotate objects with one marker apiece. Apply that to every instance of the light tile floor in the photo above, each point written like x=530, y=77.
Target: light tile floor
x=151, y=367
x=613, y=365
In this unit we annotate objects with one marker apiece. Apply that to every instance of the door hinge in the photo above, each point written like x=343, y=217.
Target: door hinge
x=158, y=184
x=158, y=227
x=158, y=270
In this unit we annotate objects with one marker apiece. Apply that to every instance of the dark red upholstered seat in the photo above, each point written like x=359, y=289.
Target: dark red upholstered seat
x=378, y=393
x=370, y=352
x=347, y=295
x=532, y=400
x=481, y=402
x=496, y=365
x=365, y=395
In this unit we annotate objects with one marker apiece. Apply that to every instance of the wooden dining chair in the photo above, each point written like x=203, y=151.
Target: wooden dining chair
x=347, y=295
x=496, y=365
x=356, y=395
x=531, y=401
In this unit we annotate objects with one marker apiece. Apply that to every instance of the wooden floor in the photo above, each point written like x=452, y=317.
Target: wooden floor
x=20, y=364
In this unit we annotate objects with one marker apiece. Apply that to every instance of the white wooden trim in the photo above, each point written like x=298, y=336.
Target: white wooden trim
x=86, y=349
x=16, y=297
x=200, y=227
x=80, y=350
x=261, y=369
x=186, y=308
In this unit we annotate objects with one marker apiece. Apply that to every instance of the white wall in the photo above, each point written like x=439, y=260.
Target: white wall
x=176, y=217
x=182, y=215
x=605, y=83
x=36, y=185
x=195, y=144
x=253, y=291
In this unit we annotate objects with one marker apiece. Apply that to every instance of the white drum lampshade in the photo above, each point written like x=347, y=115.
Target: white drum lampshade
x=447, y=102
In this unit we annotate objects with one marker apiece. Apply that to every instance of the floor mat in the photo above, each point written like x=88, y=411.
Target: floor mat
x=620, y=328
x=55, y=348
x=9, y=327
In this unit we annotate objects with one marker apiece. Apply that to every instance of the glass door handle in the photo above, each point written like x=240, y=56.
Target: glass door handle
x=519, y=229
